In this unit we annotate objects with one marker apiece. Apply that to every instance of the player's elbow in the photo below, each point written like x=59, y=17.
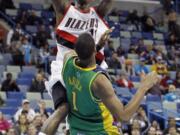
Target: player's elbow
x=124, y=117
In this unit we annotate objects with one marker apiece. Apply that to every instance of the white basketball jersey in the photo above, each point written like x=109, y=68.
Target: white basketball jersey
x=76, y=22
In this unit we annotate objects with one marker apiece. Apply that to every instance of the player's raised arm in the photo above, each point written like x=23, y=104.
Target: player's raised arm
x=103, y=89
x=104, y=7
x=60, y=7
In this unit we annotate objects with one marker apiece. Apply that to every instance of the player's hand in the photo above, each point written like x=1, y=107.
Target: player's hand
x=104, y=38
x=149, y=81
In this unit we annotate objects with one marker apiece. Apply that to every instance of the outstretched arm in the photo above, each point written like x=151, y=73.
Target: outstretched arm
x=103, y=89
x=104, y=7
x=51, y=124
x=60, y=7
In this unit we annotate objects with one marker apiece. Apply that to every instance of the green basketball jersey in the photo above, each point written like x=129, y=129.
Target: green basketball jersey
x=88, y=115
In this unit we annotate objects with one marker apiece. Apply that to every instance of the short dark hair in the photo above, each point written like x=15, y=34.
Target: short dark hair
x=85, y=46
x=82, y=2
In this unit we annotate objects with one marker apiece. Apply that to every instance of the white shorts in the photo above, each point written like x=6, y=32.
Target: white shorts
x=56, y=69
x=57, y=66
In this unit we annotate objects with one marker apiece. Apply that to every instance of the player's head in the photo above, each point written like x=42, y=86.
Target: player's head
x=85, y=46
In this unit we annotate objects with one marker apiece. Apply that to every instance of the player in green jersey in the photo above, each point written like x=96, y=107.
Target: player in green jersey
x=91, y=97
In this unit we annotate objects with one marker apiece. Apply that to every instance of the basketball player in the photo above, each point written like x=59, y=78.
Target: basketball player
x=71, y=22
x=91, y=96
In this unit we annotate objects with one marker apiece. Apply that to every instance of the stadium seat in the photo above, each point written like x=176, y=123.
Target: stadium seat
x=13, y=103
x=158, y=36
x=46, y=96
x=29, y=69
x=12, y=12
x=33, y=96
x=169, y=105
x=31, y=29
x=125, y=34
x=114, y=18
x=47, y=14
x=49, y=104
x=123, y=91
x=137, y=35
x=23, y=81
x=34, y=104
x=25, y=6
x=116, y=42
x=125, y=43
x=13, y=69
x=52, y=43
x=27, y=75
x=37, y=7
x=148, y=42
x=15, y=95
x=124, y=27
x=7, y=59
x=172, y=75
x=147, y=35
x=2, y=69
x=159, y=42
x=132, y=56
x=154, y=98
x=24, y=88
x=8, y=110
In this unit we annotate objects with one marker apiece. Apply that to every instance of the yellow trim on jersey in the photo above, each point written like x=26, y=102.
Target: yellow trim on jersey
x=108, y=121
x=84, y=69
x=90, y=91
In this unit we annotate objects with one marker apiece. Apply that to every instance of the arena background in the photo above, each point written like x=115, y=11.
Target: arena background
x=146, y=38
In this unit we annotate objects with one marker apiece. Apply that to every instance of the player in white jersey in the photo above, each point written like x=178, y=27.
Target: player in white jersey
x=71, y=22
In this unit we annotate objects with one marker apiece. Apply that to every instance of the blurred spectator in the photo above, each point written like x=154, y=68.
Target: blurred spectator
x=25, y=109
x=141, y=48
x=37, y=84
x=172, y=39
x=12, y=131
x=172, y=18
x=157, y=89
x=114, y=61
x=141, y=118
x=26, y=51
x=166, y=5
x=160, y=66
x=4, y=124
x=135, y=129
x=14, y=35
x=32, y=130
x=171, y=96
x=44, y=56
x=22, y=18
x=37, y=122
x=151, y=131
x=17, y=55
x=109, y=49
x=123, y=80
x=141, y=68
x=22, y=124
x=9, y=84
x=33, y=19
x=171, y=127
x=42, y=36
x=155, y=125
x=165, y=82
x=177, y=80
x=42, y=108
x=133, y=17
x=148, y=23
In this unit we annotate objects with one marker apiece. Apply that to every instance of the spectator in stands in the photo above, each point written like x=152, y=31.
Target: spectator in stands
x=129, y=67
x=165, y=82
x=44, y=56
x=1, y=101
x=160, y=66
x=33, y=19
x=32, y=130
x=135, y=128
x=25, y=109
x=12, y=131
x=22, y=124
x=141, y=118
x=37, y=84
x=171, y=96
x=123, y=81
x=37, y=122
x=4, y=124
x=14, y=35
x=151, y=131
x=22, y=18
x=9, y=84
x=171, y=127
x=155, y=125
x=148, y=23
x=141, y=68
x=26, y=50
x=133, y=18
x=114, y=61
x=141, y=48
x=42, y=108
x=42, y=36
x=172, y=18
x=166, y=5
x=157, y=89
x=177, y=80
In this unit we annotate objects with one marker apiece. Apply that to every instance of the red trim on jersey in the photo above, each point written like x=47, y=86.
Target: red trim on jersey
x=83, y=11
x=67, y=36
x=66, y=10
x=99, y=56
x=101, y=18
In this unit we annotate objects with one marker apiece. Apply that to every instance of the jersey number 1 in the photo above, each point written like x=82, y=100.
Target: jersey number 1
x=74, y=101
